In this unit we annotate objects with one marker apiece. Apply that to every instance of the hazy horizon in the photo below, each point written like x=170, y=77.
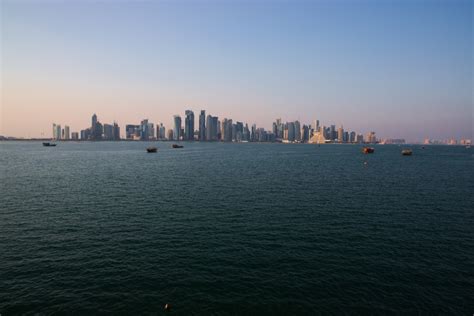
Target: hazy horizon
x=402, y=69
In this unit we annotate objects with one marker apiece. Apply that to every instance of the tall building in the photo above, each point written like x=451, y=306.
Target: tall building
x=116, y=132
x=132, y=131
x=290, y=131
x=340, y=134
x=94, y=120
x=67, y=134
x=297, y=131
x=253, y=132
x=86, y=134
x=345, y=138
x=371, y=137
x=96, y=129
x=108, y=132
x=161, y=132
x=144, y=130
x=189, y=125
x=202, y=126
x=55, y=135
x=58, y=132
x=246, y=134
x=305, y=133
x=208, y=127
x=239, y=131
x=211, y=128
x=170, y=134
x=177, y=127
x=352, y=137
x=151, y=131
x=215, y=128
x=227, y=130
x=332, y=132
x=280, y=129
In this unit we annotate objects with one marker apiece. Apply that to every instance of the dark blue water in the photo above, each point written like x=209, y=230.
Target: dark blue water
x=235, y=229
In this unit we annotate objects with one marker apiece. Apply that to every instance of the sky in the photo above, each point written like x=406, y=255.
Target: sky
x=400, y=68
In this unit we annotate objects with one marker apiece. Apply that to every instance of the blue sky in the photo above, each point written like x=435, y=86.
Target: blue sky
x=401, y=68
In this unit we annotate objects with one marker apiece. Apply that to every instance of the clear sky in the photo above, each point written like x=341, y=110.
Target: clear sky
x=401, y=68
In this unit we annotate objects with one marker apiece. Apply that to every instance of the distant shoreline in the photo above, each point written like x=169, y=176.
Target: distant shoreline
x=187, y=141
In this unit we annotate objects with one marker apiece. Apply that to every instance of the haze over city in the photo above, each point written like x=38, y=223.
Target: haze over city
x=403, y=70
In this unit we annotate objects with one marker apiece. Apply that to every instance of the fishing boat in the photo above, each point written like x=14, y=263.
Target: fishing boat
x=368, y=150
x=151, y=149
x=177, y=146
x=46, y=144
x=407, y=152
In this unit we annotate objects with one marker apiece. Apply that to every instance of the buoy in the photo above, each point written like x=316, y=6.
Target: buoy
x=167, y=307
x=365, y=162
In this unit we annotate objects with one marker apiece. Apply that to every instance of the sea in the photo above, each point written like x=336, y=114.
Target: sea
x=235, y=229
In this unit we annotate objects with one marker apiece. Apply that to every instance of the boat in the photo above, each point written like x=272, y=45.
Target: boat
x=49, y=144
x=177, y=146
x=368, y=150
x=151, y=149
x=407, y=152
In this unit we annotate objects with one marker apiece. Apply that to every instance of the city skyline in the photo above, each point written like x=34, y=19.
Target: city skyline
x=404, y=71
x=193, y=128
x=210, y=128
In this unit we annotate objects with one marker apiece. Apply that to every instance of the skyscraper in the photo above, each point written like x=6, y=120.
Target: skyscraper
x=94, y=121
x=291, y=131
x=211, y=128
x=305, y=133
x=96, y=129
x=151, y=131
x=239, y=130
x=227, y=128
x=332, y=132
x=246, y=134
x=352, y=137
x=58, y=132
x=202, y=126
x=340, y=134
x=371, y=137
x=297, y=131
x=108, y=132
x=144, y=132
x=177, y=127
x=162, y=132
x=54, y=131
x=132, y=131
x=66, y=132
x=215, y=128
x=116, y=132
x=170, y=134
x=189, y=125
